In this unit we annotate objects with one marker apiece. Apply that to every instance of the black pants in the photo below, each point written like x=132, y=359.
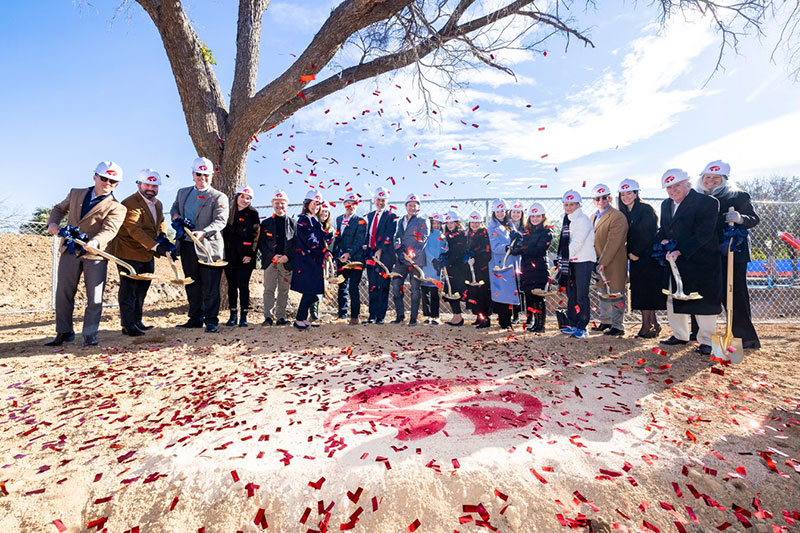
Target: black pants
x=580, y=275
x=504, y=312
x=378, y=293
x=303, y=307
x=348, y=290
x=203, y=294
x=455, y=306
x=238, y=286
x=132, y=293
x=430, y=301
x=534, y=307
x=478, y=300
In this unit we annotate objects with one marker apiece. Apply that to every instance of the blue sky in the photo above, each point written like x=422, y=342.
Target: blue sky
x=83, y=83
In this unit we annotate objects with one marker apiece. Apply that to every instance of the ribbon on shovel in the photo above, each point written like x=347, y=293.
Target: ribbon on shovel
x=660, y=251
x=69, y=234
x=733, y=237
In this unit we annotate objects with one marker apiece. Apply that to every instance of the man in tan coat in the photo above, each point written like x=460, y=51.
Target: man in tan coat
x=136, y=244
x=99, y=215
x=610, y=235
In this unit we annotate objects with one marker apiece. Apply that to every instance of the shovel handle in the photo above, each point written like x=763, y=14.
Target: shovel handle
x=106, y=255
x=201, y=246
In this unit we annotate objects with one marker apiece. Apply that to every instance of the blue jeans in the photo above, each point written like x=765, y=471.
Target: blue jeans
x=349, y=288
x=580, y=276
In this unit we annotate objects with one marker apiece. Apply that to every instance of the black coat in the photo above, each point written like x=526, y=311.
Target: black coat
x=693, y=227
x=532, y=249
x=311, y=246
x=241, y=238
x=478, y=247
x=351, y=238
x=647, y=276
x=267, y=241
x=384, y=237
x=740, y=201
x=456, y=261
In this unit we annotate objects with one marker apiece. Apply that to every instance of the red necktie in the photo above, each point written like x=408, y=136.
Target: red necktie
x=374, y=231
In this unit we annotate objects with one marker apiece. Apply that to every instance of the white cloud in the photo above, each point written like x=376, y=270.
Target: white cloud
x=293, y=15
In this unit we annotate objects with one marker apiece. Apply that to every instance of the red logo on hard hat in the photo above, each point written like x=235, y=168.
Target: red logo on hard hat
x=715, y=168
x=570, y=197
x=669, y=179
x=151, y=178
x=601, y=190
x=624, y=186
x=111, y=172
x=202, y=167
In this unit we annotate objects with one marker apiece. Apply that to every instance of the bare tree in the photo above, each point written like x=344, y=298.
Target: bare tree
x=440, y=36
x=773, y=188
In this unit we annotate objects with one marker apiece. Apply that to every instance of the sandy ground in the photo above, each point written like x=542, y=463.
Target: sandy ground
x=391, y=428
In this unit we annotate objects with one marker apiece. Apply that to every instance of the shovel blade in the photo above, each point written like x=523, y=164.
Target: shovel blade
x=736, y=351
x=718, y=348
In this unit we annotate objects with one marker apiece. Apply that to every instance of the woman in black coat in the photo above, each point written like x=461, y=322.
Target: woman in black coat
x=456, y=263
x=532, y=248
x=308, y=273
x=240, y=237
x=480, y=253
x=647, y=277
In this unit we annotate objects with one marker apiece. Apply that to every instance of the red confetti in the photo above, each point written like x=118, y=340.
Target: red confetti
x=59, y=525
x=413, y=525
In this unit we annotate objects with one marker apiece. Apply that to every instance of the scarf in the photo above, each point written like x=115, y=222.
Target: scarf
x=563, y=249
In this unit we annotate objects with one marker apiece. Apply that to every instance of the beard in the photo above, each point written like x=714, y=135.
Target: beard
x=150, y=195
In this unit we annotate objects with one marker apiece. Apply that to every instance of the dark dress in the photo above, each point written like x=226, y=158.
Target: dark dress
x=308, y=272
x=647, y=277
x=478, y=297
x=533, y=251
x=240, y=238
x=457, y=267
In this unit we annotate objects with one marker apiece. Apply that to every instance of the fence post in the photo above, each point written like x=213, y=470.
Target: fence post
x=54, y=273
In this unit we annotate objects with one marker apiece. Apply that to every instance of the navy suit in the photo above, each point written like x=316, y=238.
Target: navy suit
x=378, y=282
x=351, y=238
x=409, y=239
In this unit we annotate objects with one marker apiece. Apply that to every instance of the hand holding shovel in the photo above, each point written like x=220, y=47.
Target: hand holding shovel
x=728, y=347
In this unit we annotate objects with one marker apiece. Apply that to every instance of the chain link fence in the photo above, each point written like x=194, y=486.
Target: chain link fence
x=773, y=274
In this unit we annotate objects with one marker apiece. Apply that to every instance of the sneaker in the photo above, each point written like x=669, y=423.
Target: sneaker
x=435, y=322
x=569, y=330
x=580, y=334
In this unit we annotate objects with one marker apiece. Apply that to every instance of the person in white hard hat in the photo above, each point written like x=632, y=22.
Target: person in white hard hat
x=241, y=235
x=516, y=219
x=141, y=238
x=735, y=207
x=479, y=254
x=381, y=226
x=99, y=216
x=534, y=272
x=409, y=243
x=688, y=226
x=456, y=263
x=647, y=277
x=435, y=250
x=348, y=247
x=276, y=242
x=324, y=217
x=206, y=209
x=308, y=276
x=610, y=235
x=576, y=256
x=503, y=284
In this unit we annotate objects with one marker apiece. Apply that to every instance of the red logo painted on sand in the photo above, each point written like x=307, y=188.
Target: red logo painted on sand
x=419, y=409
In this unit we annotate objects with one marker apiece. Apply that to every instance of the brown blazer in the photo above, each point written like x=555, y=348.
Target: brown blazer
x=101, y=223
x=137, y=236
x=610, y=235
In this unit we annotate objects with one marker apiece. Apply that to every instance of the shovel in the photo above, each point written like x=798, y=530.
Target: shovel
x=728, y=347
x=505, y=260
x=178, y=279
x=420, y=274
x=449, y=294
x=331, y=273
x=353, y=264
x=201, y=246
x=386, y=272
x=472, y=271
x=608, y=294
x=551, y=282
x=131, y=272
x=679, y=294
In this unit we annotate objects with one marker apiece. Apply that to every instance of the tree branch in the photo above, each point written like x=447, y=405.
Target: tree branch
x=248, y=40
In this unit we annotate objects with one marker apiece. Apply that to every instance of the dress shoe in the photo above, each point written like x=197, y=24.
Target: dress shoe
x=341, y=316
x=90, y=340
x=211, y=328
x=190, y=324
x=601, y=327
x=300, y=326
x=61, y=338
x=435, y=322
x=354, y=321
x=132, y=331
x=380, y=322
x=267, y=321
x=483, y=325
x=673, y=341
x=693, y=336
x=143, y=327
x=614, y=332
x=703, y=349
x=369, y=321
x=412, y=322
x=281, y=322
x=455, y=324
x=399, y=320
x=751, y=345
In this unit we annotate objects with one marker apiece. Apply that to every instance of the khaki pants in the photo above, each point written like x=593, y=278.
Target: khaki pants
x=612, y=311
x=276, y=277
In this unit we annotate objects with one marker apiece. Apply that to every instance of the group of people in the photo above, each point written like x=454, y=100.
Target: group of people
x=502, y=268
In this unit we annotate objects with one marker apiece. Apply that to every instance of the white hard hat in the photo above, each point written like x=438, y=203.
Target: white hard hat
x=517, y=206
x=381, y=192
x=499, y=205
x=452, y=216
x=203, y=166
x=149, y=176
x=536, y=209
x=314, y=195
x=438, y=218
x=475, y=217
x=717, y=167
x=351, y=197
x=628, y=185
x=280, y=195
x=412, y=198
x=246, y=189
x=673, y=176
x=601, y=189
x=109, y=169
x=571, y=196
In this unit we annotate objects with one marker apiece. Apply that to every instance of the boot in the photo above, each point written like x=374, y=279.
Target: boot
x=232, y=320
x=529, y=320
x=538, y=326
x=243, y=319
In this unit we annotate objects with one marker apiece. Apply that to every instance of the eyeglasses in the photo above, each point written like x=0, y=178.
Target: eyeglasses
x=105, y=179
x=198, y=174
x=604, y=197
